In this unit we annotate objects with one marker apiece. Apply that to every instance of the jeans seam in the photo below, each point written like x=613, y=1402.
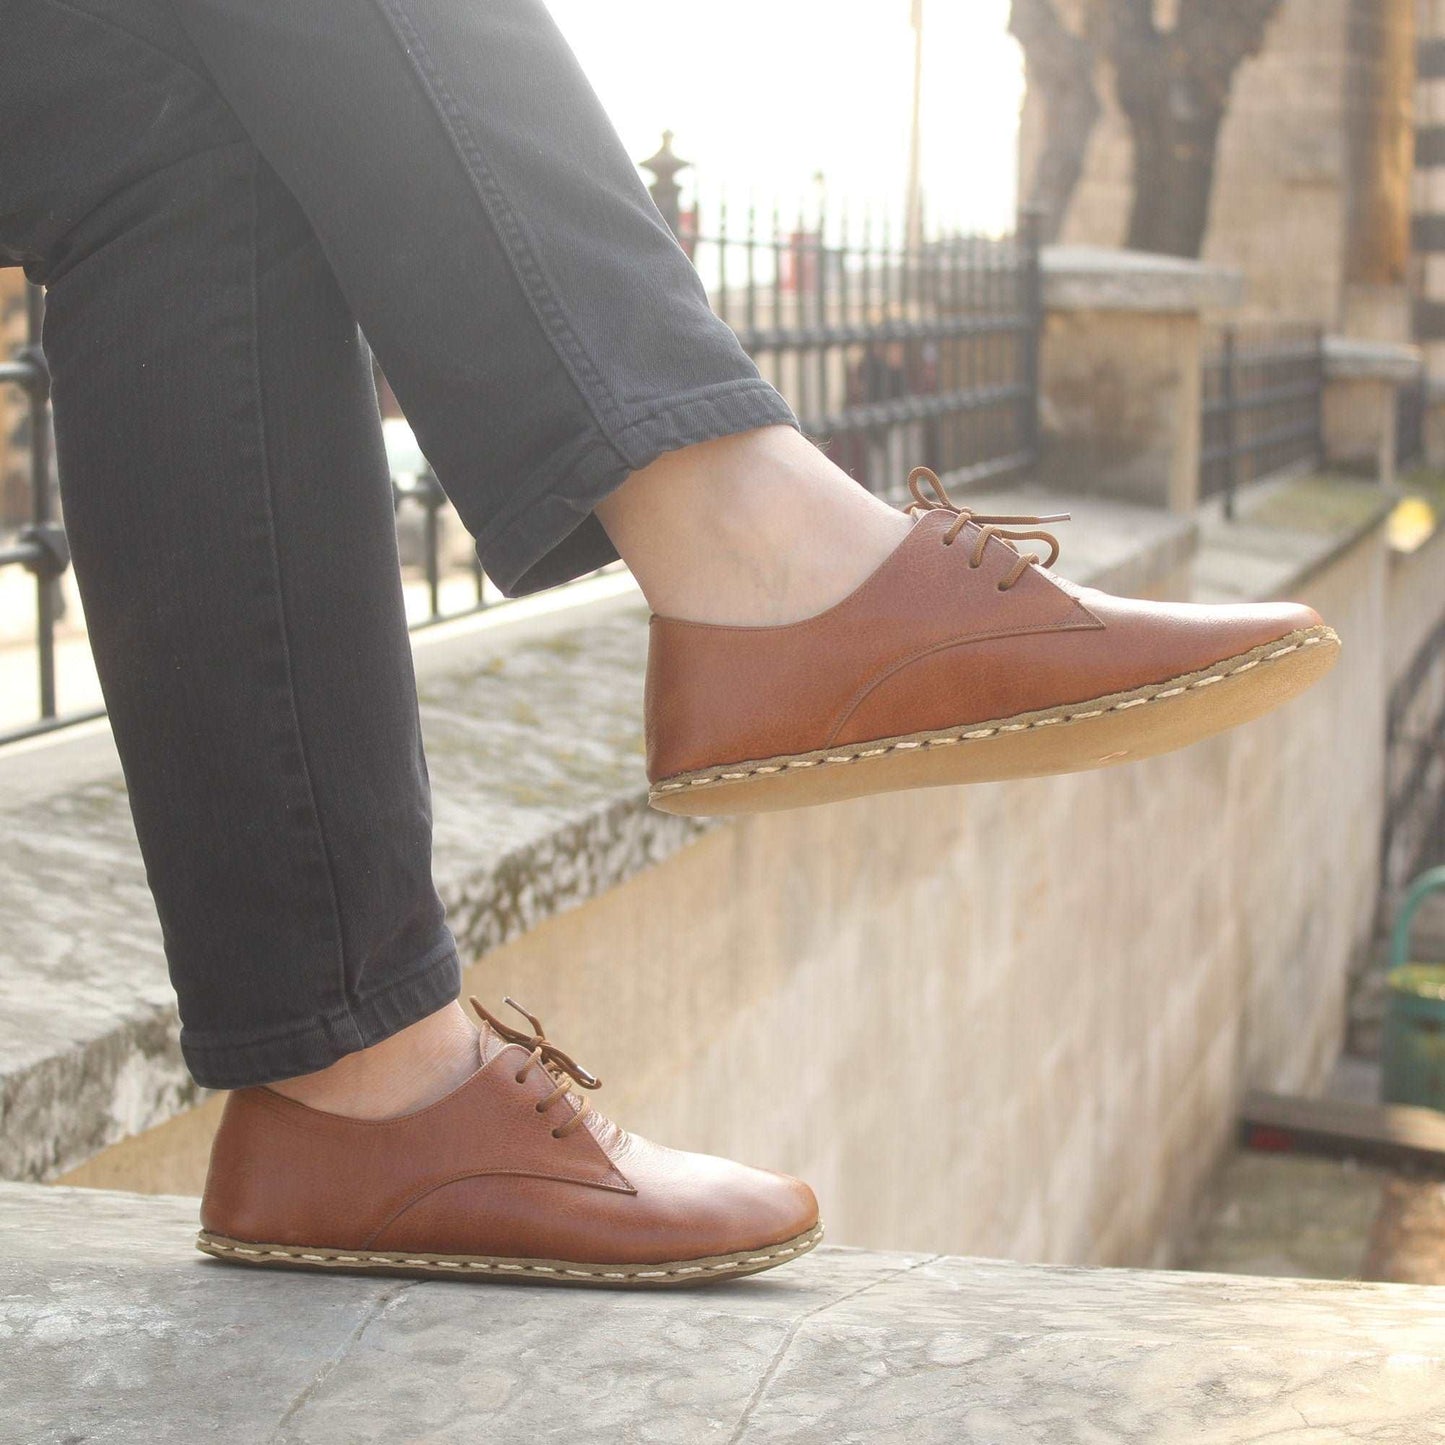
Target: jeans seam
x=267, y=496
x=712, y=390
x=551, y=317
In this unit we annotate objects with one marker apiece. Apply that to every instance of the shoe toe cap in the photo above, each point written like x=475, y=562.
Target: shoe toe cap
x=715, y=1206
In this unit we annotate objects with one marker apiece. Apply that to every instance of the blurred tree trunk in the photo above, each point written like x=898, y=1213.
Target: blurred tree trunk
x=1060, y=69
x=1173, y=86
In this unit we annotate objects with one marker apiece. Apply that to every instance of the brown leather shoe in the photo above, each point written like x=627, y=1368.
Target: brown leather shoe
x=960, y=659
x=510, y=1176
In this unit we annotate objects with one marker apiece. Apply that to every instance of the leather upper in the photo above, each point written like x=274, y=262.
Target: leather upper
x=482, y=1172
x=927, y=642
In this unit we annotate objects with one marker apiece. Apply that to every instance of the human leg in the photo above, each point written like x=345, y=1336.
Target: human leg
x=228, y=507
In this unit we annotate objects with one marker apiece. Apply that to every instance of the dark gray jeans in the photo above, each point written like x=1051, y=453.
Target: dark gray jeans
x=215, y=194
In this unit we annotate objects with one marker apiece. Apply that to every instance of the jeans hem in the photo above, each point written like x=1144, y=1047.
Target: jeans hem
x=219, y=1063
x=551, y=535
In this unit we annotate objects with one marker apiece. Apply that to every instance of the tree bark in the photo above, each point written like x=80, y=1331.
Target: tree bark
x=1059, y=68
x=1173, y=87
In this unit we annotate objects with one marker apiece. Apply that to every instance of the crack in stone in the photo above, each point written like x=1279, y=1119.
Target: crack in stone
x=376, y=1307
x=786, y=1343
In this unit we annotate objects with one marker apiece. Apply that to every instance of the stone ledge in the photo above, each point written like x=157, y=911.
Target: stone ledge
x=119, y=1331
x=1101, y=278
x=1349, y=358
x=1284, y=532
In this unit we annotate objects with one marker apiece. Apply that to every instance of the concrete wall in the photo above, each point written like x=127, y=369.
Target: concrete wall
x=1415, y=583
x=1119, y=404
x=1009, y=1020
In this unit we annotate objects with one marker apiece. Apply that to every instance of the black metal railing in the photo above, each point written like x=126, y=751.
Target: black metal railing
x=890, y=354
x=1413, y=836
x=1412, y=401
x=1261, y=408
x=39, y=546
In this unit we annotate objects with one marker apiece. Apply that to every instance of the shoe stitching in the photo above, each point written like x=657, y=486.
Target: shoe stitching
x=870, y=749
x=800, y=1246
x=1001, y=634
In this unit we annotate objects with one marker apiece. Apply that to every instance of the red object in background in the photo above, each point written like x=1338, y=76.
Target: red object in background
x=1276, y=1141
x=798, y=262
x=687, y=228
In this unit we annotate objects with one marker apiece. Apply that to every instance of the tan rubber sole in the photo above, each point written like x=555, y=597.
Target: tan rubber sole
x=1074, y=738
x=486, y=1266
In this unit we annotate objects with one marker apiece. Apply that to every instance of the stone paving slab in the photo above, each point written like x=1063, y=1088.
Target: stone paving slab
x=113, y=1329
x=533, y=727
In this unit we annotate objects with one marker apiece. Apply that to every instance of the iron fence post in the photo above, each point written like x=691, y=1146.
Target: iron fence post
x=50, y=556
x=1029, y=233
x=665, y=191
x=1226, y=392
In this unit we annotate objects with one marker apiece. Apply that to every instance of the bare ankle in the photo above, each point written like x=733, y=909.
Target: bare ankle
x=754, y=529
x=409, y=1070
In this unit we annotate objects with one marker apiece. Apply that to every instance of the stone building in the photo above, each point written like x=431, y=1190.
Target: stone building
x=1299, y=118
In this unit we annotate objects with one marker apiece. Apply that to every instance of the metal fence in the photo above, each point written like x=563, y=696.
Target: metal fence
x=39, y=546
x=1412, y=401
x=891, y=355
x=1262, y=395
x=1414, y=827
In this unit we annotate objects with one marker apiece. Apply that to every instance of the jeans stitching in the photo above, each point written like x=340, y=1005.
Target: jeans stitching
x=551, y=316
x=267, y=497
x=702, y=395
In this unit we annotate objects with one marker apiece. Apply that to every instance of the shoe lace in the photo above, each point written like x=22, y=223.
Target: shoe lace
x=561, y=1068
x=988, y=526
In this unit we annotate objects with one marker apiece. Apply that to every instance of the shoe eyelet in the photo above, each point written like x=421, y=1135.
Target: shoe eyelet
x=540, y=1108
x=948, y=541
x=556, y=1134
x=973, y=566
x=520, y=1078
x=1003, y=587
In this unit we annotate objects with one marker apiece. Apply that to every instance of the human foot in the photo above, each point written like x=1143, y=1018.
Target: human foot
x=749, y=530
x=960, y=659
x=508, y=1176
x=405, y=1071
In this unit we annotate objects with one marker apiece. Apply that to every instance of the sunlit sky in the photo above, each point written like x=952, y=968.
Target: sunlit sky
x=764, y=93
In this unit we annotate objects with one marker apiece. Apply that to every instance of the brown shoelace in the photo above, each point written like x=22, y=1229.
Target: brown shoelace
x=561, y=1068
x=988, y=526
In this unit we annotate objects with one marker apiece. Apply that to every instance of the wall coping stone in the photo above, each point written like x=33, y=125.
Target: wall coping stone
x=1284, y=532
x=1103, y=278
x=1351, y=358
x=118, y=1330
